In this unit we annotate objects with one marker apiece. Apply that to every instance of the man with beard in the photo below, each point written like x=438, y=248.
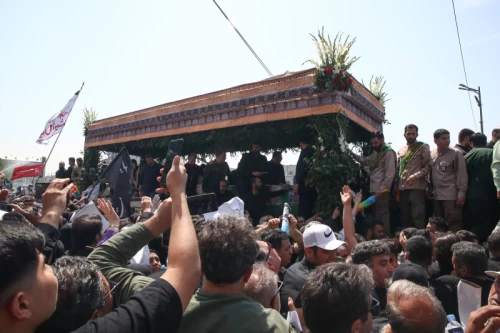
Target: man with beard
x=255, y=200
x=463, y=144
x=448, y=185
x=71, y=162
x=61, y=172
x=413, y=162
x=252, y=164
x=214, y=172
x=382, y=163
x=76, y=170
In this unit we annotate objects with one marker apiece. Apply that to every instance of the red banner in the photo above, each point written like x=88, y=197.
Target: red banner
x=32, y=170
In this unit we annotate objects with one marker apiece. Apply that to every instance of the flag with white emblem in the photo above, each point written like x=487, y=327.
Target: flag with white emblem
x=119, y=174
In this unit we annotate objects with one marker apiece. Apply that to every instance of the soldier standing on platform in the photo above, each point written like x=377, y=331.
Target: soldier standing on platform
x=448, y=185
x=413, y=168
x=382, y=163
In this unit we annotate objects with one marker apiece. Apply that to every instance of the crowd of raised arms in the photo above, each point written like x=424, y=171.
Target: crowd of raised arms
x=425, y=257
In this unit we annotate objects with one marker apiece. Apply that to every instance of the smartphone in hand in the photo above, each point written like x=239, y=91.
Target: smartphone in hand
x=174, y=148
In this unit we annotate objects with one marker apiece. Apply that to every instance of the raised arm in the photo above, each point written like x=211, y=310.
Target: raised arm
x=184, y=267
x=347, y=220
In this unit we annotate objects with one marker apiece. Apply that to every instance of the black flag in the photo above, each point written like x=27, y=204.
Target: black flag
x=119, y=175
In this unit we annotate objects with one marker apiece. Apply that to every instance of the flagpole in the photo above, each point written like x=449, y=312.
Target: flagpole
x=57, y=139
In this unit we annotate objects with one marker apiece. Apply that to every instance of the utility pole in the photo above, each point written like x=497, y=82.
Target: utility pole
x=478, y=100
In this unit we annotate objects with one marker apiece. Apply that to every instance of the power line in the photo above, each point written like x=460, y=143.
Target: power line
x=463, y=63
x=244, y=41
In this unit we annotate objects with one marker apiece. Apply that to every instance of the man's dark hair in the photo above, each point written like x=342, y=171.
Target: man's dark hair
x=363, y=253
x=84, y=231
x=80, y=293
x=467, y=236
x=409, y=232
x=72, y=159
x=79, y=159
x=134, y=161
x=224, y=181
x=443, y=253
x=440, y=223
x=426, y=233
x=148, y=155
x=257, y=143
x=330, y=285
x=419, y=251
x=20, y=246
x=372, y=223
x=359, y=238
x=274, y=237
x=192, y=155
x=228, y=249
x=494, y=244
x=393, y=247
x=471, y=256
x=479, y=140
x=14, y=216
x=377, y=135
x=439, y=132
x=276, y=153
x=464, y=133
x=305, y=139
x=409, y=126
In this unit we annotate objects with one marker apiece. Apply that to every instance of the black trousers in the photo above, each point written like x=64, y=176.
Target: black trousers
x=306, y=203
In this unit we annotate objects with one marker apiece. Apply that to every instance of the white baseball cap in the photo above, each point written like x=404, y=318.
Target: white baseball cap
x=322, y=236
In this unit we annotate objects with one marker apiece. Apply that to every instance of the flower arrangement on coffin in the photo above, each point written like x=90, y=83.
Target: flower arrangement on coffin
x=332, y=69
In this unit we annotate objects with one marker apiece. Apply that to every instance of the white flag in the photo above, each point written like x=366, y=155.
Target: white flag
x=56, y=123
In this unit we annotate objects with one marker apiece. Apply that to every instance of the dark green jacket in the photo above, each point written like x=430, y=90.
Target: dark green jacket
x=481, y=184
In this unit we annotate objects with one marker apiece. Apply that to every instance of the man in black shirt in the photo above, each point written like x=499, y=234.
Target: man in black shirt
x=276, y=170
x=214, y=172
x=494, y=249
x=28, y=294
x=71, y=162
x=61, y=172
x=255, y=201
x=495, y=136
x=463, y=144
x=223, y=195
x=307, y=195
x=149, y=174
x=193, y=172
x=252, y=164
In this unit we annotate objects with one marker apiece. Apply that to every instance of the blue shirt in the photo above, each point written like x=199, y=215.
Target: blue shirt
x=148, y=177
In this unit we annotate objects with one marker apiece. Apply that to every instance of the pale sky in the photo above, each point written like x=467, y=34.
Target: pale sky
x=133, y=55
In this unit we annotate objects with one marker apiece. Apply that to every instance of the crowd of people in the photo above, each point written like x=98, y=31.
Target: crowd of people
x=165, y=270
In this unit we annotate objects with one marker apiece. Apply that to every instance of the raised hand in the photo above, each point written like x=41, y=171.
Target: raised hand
x=146, y=204
x=54, y=197
x=346, y=195
x=293, y=222
x=273, y=223
x=177, y=177
x=109, y=212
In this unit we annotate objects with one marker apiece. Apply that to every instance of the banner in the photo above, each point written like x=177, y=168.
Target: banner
x=58, y=121
x=32, y=170
x=119, y=174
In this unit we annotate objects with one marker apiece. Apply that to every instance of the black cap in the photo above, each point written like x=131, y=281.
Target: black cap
x=411, y=272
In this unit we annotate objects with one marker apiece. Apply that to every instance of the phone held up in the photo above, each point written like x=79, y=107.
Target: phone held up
x=174, y=148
